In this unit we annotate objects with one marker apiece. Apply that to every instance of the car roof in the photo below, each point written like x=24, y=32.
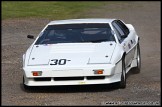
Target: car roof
x=78, y=21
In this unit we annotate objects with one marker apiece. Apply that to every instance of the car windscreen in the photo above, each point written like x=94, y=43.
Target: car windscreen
x=76, y=33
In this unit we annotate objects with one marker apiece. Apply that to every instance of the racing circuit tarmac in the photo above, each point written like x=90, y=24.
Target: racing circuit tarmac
x=145, y=86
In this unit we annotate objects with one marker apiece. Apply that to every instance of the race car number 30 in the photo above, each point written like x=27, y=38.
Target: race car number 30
x=58, y=61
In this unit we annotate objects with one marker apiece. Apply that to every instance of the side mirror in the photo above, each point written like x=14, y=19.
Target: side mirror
x=30, y=36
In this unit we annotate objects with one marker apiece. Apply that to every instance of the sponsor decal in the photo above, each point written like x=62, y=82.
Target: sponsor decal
x=82, y=82
x=129, y=46
x=131, y=41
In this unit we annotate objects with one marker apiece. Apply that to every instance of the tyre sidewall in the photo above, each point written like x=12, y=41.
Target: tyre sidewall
x=123, y=75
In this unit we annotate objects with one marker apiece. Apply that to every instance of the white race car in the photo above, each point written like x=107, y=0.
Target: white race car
x=82, y=51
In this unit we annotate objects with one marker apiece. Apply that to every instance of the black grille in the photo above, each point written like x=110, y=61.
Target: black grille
x=43, y=79
x=95, y=77
x=68, y=78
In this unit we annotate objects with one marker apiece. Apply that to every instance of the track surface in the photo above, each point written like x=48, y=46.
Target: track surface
x=145, y=16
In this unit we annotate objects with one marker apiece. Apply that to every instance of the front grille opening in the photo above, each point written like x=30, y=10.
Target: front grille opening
x=95, y=77
x=43, y=79
x=68, y=78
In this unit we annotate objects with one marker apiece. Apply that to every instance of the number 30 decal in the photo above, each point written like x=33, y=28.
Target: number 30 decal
x=58, y=62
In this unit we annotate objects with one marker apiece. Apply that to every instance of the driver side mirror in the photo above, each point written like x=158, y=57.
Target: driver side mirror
x=30, y=36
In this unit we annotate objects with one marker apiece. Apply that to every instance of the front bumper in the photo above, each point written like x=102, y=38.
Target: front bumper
x=53, y=82
x=72, y=76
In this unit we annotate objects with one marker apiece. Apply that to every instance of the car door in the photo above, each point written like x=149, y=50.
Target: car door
x=125, y=39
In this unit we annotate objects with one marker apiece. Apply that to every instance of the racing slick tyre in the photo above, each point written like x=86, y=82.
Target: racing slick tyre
x=122, y=83
x=138, y=68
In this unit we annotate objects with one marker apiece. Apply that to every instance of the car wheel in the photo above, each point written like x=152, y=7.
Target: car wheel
x=123, y=75
x=138, y=68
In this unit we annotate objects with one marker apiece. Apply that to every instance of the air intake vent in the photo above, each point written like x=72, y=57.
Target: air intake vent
x=95, y=77
x=43, y=79
x=68, y=78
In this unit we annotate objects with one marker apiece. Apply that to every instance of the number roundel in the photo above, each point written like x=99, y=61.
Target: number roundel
x=58, y=62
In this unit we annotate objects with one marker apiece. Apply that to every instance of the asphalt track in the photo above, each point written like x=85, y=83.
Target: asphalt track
x=141, y=88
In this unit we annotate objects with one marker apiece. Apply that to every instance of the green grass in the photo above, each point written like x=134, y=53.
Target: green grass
x=51, y=9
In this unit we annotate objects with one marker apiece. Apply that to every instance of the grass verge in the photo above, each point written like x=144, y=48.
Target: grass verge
x=50, y=9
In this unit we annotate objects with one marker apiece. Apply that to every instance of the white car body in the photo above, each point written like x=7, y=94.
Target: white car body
x=82, y=59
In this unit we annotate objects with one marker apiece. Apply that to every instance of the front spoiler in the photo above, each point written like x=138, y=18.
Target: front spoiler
x=107, y=80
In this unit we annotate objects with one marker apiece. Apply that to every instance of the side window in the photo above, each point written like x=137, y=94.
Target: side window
x=121, y=32
x=123, y=27
x=118, y=31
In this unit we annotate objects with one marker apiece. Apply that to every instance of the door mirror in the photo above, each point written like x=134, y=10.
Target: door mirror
x=30, y=36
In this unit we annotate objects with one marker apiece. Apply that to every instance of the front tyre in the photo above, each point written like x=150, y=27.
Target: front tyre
x=123, y=75
x=138, y=68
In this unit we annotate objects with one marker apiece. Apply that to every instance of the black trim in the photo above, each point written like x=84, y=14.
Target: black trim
x=80, y=25
x=95, y=77
x=68, y=78
x=43, y=79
